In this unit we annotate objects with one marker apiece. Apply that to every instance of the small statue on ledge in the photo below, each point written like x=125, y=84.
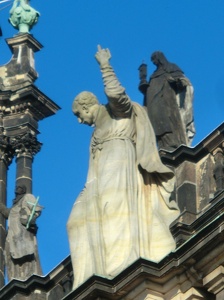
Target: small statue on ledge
x=168, y=97
x=23, y=16
x=21, y=254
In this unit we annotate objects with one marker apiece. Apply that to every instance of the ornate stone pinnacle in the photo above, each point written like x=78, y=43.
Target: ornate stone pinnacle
x=23, y=16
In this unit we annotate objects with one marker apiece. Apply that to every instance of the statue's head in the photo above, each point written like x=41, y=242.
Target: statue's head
x=158, y=58
x=85, y=106
x=20, y=189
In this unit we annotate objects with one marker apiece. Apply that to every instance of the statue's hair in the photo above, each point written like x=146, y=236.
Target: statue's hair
x=84, y=98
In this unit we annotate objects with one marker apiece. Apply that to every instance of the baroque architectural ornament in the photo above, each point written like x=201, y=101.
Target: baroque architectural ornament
x=25, y=144
x=6, y=153
x=23, y=16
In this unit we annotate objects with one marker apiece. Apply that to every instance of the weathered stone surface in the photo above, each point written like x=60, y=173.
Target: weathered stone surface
x=126, y=200
x=214, y=282
x=40, y=288
x=218, y=170
x=185, y=172
x=21, y=254
x=205, y=182
x=56, y=293
x=186, y=197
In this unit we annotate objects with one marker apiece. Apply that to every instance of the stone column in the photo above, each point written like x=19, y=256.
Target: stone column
x=24, y=162
x=25, y=147
x=5, y=160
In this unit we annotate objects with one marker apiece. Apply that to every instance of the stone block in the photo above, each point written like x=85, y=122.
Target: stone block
x=56, y=293
x=152, y=296
x=214, y=281
x=185, y=172
x=191, y=294
x=39, y=295
x=186, y=197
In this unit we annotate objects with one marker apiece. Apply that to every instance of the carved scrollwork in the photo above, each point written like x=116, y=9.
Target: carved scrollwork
x=25, y=144
x=6, y=152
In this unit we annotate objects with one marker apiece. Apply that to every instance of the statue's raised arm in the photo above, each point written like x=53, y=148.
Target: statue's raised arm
x=119, y=102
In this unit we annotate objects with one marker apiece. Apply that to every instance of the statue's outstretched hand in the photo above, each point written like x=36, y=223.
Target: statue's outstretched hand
x=102, y=56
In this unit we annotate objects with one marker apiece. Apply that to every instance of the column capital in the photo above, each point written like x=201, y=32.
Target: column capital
x=6, y=153
x=25, y=144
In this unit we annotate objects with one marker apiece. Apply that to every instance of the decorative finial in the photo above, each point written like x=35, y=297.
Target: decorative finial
x=23, y=16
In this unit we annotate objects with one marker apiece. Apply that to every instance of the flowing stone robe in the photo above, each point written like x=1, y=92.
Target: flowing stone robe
x=21, y=253
x=124, y=211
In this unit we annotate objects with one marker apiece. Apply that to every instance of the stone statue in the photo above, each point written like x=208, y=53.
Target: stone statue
x=23, y=16
x=124, y=210
x=21, y=255
x=168, y=97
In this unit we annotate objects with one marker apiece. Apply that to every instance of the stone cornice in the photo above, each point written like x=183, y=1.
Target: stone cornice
x=194, y=259
x=29, y=97
x=194, y=154
x=183, y=262
x=25, y=38
x=44, y=283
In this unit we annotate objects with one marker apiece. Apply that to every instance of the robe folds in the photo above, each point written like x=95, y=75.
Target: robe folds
x=21, y=253
x=124, y=211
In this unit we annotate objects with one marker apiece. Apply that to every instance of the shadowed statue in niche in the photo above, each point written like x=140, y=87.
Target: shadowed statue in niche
x=21, y=254
x=125, y=210
x=168, y=97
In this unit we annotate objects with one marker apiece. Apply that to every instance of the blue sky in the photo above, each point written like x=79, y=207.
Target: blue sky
x=189, y=32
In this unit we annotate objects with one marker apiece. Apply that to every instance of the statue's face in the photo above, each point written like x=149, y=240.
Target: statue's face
x=155, y=60
x=19, y=190
x=84, y=115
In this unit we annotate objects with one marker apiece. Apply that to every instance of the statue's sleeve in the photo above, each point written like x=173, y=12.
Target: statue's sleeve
x=119, y=102
x=4, y=210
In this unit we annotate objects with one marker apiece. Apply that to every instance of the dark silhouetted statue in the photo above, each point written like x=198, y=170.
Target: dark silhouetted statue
x=168, y=97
